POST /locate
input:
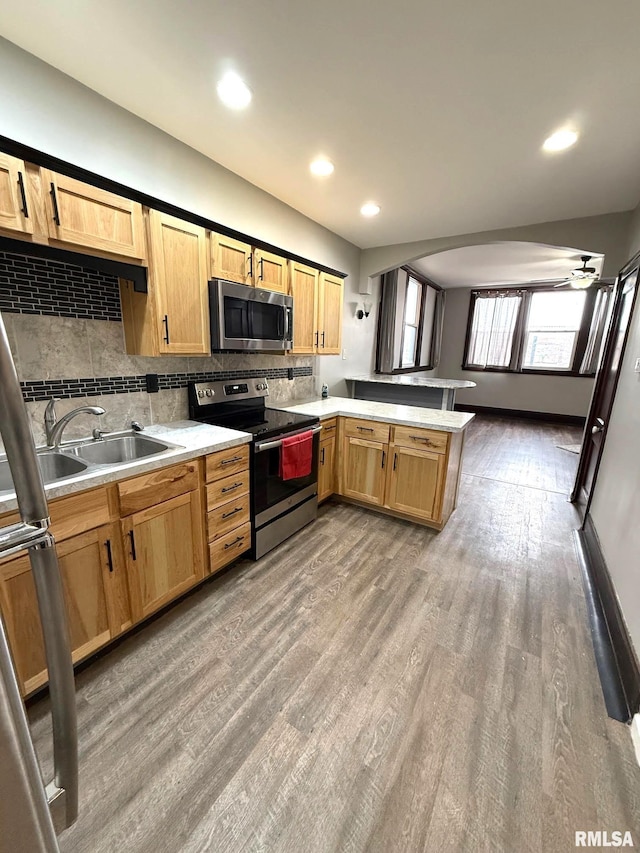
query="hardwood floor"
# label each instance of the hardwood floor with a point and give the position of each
(369, 686)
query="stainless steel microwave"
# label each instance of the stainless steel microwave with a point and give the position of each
(249, 318)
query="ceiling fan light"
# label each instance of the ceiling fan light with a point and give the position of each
(582, 283)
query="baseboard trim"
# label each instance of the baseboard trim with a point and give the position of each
(615, 658)
(549, 417)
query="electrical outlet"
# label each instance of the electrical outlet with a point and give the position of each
(637, 367)
(344, 355)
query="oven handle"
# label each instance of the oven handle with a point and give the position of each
(270, 445)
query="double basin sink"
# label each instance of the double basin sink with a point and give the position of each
(77, 458)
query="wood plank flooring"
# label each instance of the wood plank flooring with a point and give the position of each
(369, 686)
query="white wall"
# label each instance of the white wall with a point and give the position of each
(616, 499)
(45, 109)
(565, 395)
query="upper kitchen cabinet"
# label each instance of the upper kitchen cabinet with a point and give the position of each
(16, 214)
(87, 218)
(231, 259)
(330, 290)
(303, 286)
(271, 271)
(173, 317)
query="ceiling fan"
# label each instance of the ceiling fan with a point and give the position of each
(582, 277)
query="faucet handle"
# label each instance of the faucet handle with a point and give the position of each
(136, 426)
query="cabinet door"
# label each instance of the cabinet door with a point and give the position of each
(92, 578)
(330, 314)
(178, 274)
(231, 259)
(363, 472)
(303, 286)
(164, 551)
(326, 467)
(86, 216)
(14, 204)
(416, 481)
(271, 271)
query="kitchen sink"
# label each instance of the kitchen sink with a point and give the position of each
(53, 466)
(117, 449)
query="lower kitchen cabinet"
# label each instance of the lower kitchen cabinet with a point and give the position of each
(415, 482)
(164, 552)
(227, 493)
(327, 464)
(363, 469)
(95, 598)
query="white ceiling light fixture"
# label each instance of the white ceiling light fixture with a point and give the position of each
(370, 209)
(582, 277)
(560, 141)
(233, 91)
(321, 167)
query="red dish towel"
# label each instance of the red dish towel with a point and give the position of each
(296, 453)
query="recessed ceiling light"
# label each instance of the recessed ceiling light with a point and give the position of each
(560, 140)
(233, 91)
(370, 209)
(321, 167)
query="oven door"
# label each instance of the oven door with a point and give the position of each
(248, 318)
(270, 494)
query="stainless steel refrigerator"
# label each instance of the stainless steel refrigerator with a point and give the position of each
(32, 811)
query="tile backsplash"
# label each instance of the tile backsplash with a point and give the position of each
(75, 350)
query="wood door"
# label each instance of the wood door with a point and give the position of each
(363, 473)
(271, 271)
(178, 274)
(95, 596)
(303, 286)
(416, 482)
(605, 387)
(164, 548)
(330, 314)
(326, 468)
(82, 215)
(15, 208)
(231, 259)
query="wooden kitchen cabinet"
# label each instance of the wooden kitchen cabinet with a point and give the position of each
(83, 216)
(16, 208)
(415, 482)
(95, 596)
(364, 469)
(271, 272)
(317, 311)
(330, 296)
(326, 467)
(228, 487)
(164, 552)
(231, 259)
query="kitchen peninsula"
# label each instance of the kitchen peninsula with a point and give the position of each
(407, 389)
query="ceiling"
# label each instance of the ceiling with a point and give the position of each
(494, 264)
(437, 111)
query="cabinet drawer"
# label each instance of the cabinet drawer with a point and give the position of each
(227, 462)
(329, 429)
(227, 517)
(427, 439)
(371, 430)
(222, 491)
(157, 486)
(227, 548)
(73, 514)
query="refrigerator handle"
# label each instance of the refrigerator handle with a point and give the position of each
(62, 792)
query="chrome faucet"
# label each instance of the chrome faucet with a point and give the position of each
(54, 427)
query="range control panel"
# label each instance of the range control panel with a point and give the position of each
(205, 393)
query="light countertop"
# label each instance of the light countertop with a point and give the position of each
(412, 380)
(193, 439)
(332, 407)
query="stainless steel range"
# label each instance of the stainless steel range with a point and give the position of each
(278, 507)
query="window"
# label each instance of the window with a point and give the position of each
(534, 329)
(411, 322)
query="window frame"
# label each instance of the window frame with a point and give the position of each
(424, 282)
(527, 291)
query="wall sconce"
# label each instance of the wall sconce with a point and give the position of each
(363, 310)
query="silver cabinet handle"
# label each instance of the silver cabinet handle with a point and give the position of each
(425, 440)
